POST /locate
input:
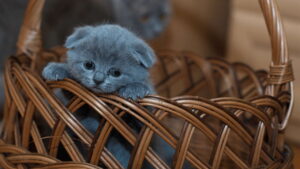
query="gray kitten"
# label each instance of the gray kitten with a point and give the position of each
(106, 59)
(145, 18)
(110, 59)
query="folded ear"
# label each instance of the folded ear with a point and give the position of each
(77, 36)
(144, 55)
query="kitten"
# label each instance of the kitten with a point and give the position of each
(106, 59)
(146, 18)
(110, 59)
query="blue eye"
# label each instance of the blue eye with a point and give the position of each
(89, 65)
(114, 72)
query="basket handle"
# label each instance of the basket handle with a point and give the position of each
(281, 71)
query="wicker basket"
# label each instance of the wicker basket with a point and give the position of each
(242, 125)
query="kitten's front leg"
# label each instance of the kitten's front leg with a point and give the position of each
(135, 91)
(55, 71)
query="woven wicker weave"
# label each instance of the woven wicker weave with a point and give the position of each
(238, 122)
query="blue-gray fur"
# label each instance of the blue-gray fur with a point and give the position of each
(147, 18)
(109, 47)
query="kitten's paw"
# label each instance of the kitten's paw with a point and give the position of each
(55, 71)
(134, 91)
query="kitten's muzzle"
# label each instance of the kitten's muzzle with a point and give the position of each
(98, 78)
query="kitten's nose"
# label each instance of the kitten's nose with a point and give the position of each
(98, 77)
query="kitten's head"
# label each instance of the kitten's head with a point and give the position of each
(147, 18)
(108, 57)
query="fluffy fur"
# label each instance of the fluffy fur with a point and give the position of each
(118, 60)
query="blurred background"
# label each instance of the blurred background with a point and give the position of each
(225, 28)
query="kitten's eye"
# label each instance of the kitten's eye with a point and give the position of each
(114, 72)
(145, 18)
(89, 65)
